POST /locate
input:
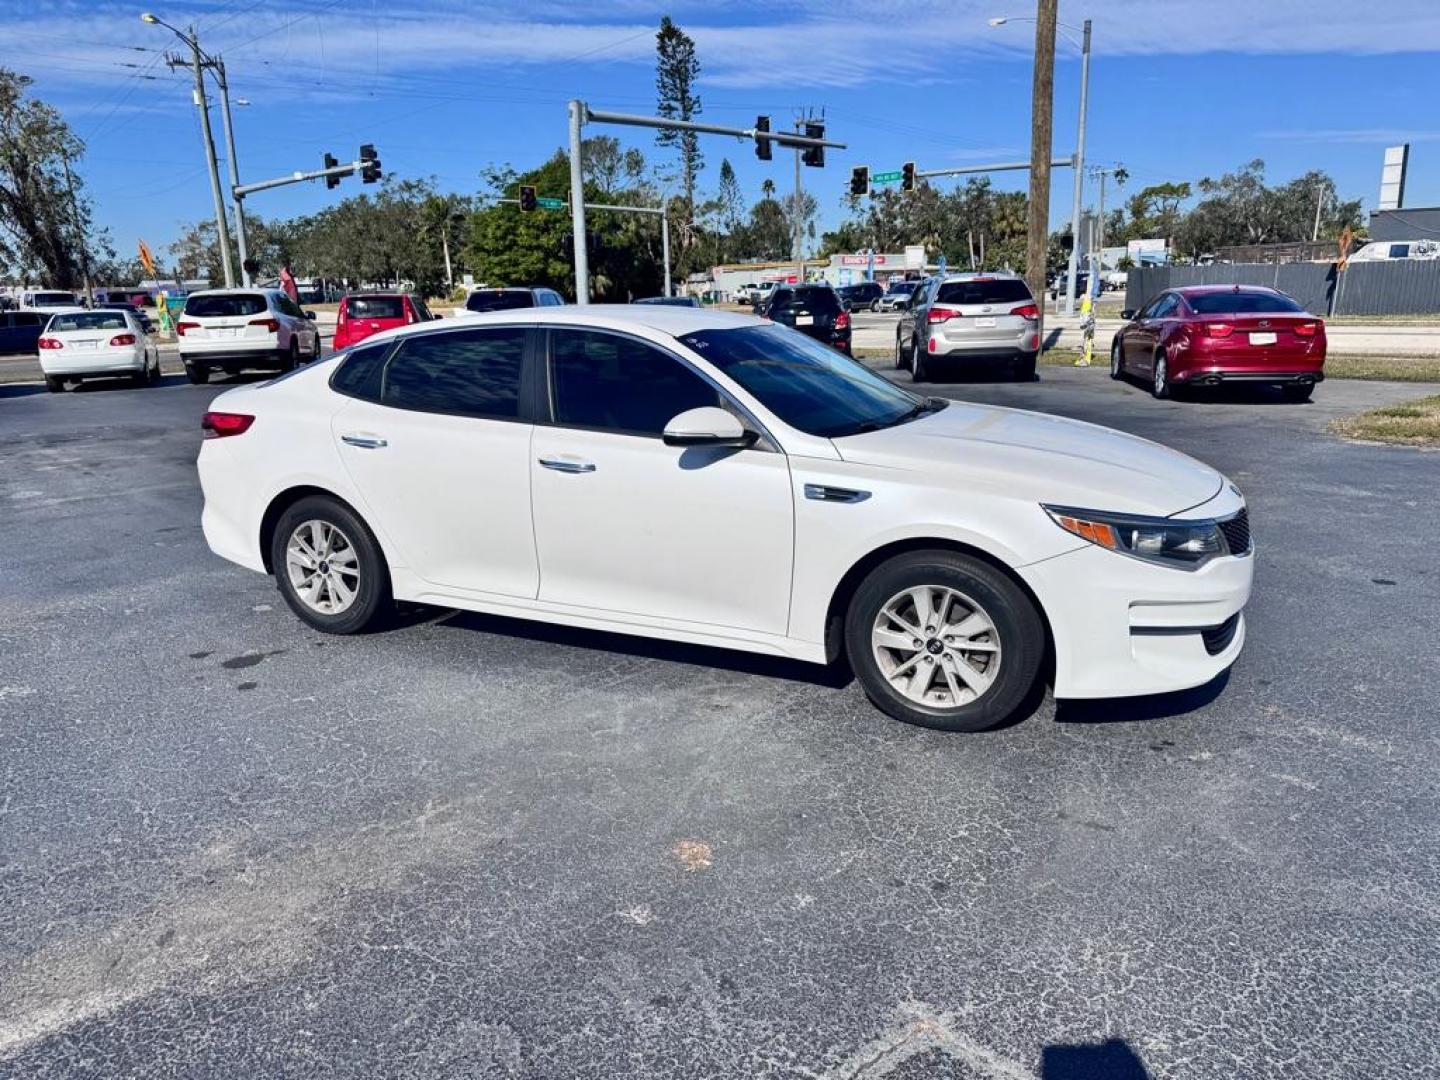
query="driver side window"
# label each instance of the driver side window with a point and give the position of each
(608, 382)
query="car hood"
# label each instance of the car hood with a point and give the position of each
(1036, 456)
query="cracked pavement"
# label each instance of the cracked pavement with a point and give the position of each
(230, 846)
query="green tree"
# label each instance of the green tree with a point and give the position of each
(676, 71)
(443, 219)
(42, 229)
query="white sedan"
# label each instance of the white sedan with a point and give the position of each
(714, 479)
(79, 344)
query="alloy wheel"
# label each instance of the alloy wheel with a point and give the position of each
(1115, 366)
(1162, 377)
(323, 567)
(936, 646)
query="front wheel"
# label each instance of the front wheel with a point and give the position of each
(329, 567)
(1117, 366)
(874, 306)
(1160, 387)
(944, 640)
(899, 354)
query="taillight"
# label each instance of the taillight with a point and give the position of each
(1026, 311)
(842, 321)
(181, 327)
(272, 326)
(123, 339)
(1219, 329)
(220, 425)
(941, 314)
(1306, 329)
(51, 343)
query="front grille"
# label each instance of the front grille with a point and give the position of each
(1237, 532)
(1217, 639)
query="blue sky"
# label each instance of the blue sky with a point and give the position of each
(1179, 89)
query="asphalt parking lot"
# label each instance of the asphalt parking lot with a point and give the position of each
(230, 846)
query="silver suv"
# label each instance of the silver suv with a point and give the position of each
(969, 320)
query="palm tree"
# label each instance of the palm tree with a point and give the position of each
(443, 216)
(768, 188)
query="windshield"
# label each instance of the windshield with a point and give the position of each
(40, 299)
(87, 320)
(808, 385)
(1225, 303)
(498, 300)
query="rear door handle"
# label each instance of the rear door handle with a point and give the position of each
(365, 442)
(567, 466)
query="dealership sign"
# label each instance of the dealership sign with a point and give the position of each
(861, 260)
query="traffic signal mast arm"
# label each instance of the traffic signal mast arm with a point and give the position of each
(781, 138)
(358, 166)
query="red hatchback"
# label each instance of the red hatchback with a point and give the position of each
(363, 314)
(1206, 335)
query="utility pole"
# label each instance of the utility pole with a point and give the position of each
(577, 204)
(199, 63)
(1042, 108)
(79, 234)
(795, 243)
(1079, 172)
(234, 171)
(1319, 202)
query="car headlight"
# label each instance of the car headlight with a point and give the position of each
(1182, 544)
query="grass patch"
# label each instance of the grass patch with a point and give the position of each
(1342, 366)
(1410, 423)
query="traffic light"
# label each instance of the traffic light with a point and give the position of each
(860, 180)
(370, 170)
(330, 163)
(907, 176)
(527, 198)
(814, 156)
(762, 146)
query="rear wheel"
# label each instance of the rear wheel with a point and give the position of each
(918, 371)
(1297, 392)
(291, 358)
(198, 373)
(944, 640)
(1024, 369)
(329, 567)
(154, 371)
(1160, 385)
(874, 305)
(54, 385)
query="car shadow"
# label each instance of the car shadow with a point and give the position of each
(18, 390)
(1112, 1059)
(1233, 394)
(835, 676)
(1138, 709)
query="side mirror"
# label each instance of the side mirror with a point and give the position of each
(310, 315)
(707, 426)
(1128, 314)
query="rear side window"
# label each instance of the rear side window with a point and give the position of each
(359, 374)
(468, 372)
(1228, 303)
(618, 384)
(499, 300)
(375, 307)
(227, 306)
(993, 291)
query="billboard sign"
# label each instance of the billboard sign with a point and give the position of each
(1392, 177)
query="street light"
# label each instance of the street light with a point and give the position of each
(1084, 44)
(200, 61)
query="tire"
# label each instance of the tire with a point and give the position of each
(54, 385)
(1010, 638)
(154, 372)
(1117, 365)
(1297, 394)
(369, 599)
(918, 371)
(198, 373)
(874, 306)
(140, 379)
(899, 354)
(1024, 370)
(292, 358)
(1160, 382)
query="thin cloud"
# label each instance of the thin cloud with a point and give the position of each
(1385, 136)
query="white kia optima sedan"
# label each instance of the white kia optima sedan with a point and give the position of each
(714, 479)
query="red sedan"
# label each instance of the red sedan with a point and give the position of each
(1206, 335)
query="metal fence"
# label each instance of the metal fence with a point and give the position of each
(1401, 287)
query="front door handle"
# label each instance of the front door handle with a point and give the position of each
(365, 442)
(567, 466)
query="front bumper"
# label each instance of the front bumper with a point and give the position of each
(1123, 626)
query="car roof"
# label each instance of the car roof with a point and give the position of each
(665, 318)
(73, 310)
(238, 291)
(1201, 290)
(982, 275)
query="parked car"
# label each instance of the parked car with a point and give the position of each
(704, 477)
(49, 299)
(361, 315)
(814, 310)
(244, 329)
(20, 330)
(965, 321)
(79, 344)
(896, 296)
(864, 295)
(508, 299)
(122, 305)
(1060, 285)
(671, 301)
(742, 294)
(1114, 279)
(761, 293)
(1205, 335)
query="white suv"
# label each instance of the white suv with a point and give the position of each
(718, 480)
(238, 329)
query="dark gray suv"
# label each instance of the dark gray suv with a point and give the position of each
(968, 321)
